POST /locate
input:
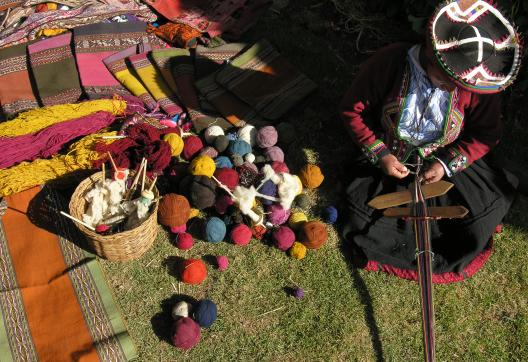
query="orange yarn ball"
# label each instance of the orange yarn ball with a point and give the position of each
(193, 271)
(173, 210)
(311, 176)
(313, 234)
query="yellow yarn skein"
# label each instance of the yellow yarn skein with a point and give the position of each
(194, 213)
(202, 166)
(37, 119)
(298, 251)
(296, 220)
(175, 142)
(25, 175)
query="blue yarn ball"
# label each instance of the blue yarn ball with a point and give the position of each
(330, 214)
(223, 162)
(268, 189)
(239, 147)
(205, 313)
(232, 136)
(215, 230)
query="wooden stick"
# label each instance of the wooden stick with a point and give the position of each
(153, 183)
(104, 171)
(79, 221)
(271, 311)
(112, 161)
(136, 179)
(143, 177)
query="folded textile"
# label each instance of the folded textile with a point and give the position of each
(16, 92)
(127, 76)
(153, 81)
(37, 119)
(50, 140)
(95, 42)
(55, 303)
(162, 59)
(54, 70)
(25, 175)
(7, 4)
(280, 85)
(208, 60)
(176, 34)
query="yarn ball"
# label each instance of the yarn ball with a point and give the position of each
(287, 133)
(221, 143)
(283, 238)
(296, 220)
(268, 189)
(173, 210)
(249, 158)
(267, 137)
(178, 229)
(184, 241)
(222, 262)
(102, 228)
(248, 174)
(277, 214)
(175, 142)
(227, 176)
(181, 309)
(205, 313)
(330, 214)
(280, 167)
(223, 201)
(211, 133)
(259, 159)
(232, 136)
(194, 213)
(311, 176)
(194, 271)
(223, 162)
(298, 250)
(298, 293)
(239, 147)
(209, 151)
(192, 145)
(237, 159)
(248, 134)
(313, 234)
(302, 201)
(274, 153)
(299, 185)
(201, 191)
(240, 234)
(202, 166)
(215, 230)
(186, 333)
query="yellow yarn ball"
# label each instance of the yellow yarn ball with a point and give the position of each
(300, 185)
(175, 142)
(296, 220)
(194, 213)
(298, 251)
(202, 166)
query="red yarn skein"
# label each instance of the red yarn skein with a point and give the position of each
(241, 235)
(191, 146)
(227, 176)
(193, 271)
(186, 333)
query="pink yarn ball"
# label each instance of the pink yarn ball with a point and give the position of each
(278, 166)
(186, 333)
(267, 137)
(178, 229)
(209, 151)
(227, 176)
(222, 262)
(184, 241)
(273, 153)
(241, 234)
(191, 146)
(222, 203)
(277, 214)
(283, 237)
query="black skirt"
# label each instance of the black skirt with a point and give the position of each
(486, 191)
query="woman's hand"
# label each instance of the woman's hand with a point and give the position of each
(391, 166)
(434, 173)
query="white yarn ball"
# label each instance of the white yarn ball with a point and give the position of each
(212, 132)
(181, 309)
(249, 158)
(248, 133)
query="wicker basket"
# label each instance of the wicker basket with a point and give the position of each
(126, 245)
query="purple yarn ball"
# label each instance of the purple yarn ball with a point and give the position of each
(267, 137)
(277, 214)
(298, 293)
(274, 153)
(268, 189)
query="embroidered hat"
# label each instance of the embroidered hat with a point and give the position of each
(476, 45)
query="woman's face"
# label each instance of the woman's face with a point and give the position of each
(436, 74)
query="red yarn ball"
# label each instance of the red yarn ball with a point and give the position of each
(194, 271)
(173, 210)
(184, 241)
(278, 166)
(223, 201)
(241, 234)
(178, 229)
(222, 262)
(191, 146)
(186, 333)
(284, 237)
(227, 176)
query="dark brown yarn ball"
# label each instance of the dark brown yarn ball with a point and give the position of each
(313, 234)
(173, 210)
(200, 190)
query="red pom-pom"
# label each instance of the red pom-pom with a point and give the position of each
(186, 333)
(278, 166)
(227, 176)
(184, 241)
(222, 262)
(191, 146)
(194, 271)
(241, 234)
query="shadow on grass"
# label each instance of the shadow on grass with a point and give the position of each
(162, 321)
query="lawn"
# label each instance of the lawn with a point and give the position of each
(347, 314)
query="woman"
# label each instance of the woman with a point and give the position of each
(437, 100)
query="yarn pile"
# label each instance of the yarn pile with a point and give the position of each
(188, 318)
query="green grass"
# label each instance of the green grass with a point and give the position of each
(347, 314)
